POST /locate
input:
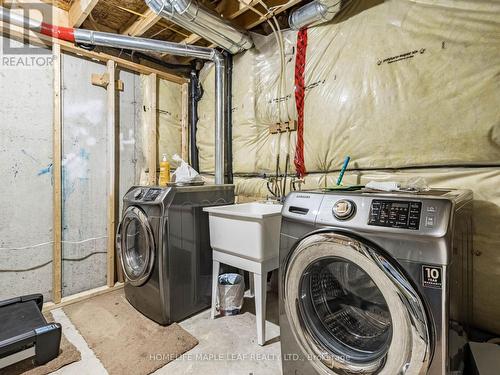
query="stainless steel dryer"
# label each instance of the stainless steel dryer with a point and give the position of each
(375, 283)
(164, 248)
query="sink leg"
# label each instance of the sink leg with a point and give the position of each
(252, 284)
(260, 306)
(215, 280)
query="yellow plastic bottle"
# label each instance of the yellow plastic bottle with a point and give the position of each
(164, 171)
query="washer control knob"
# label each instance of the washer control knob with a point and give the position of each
(344, 209)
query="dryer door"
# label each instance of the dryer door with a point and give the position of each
(351, 310)
(136, 246)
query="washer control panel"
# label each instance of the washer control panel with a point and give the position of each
(400, 214)
(395, 214)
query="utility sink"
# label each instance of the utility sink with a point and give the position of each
(250, 230)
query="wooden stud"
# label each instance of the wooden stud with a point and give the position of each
(56, 168)
(59, 16)
(112, 180)
(275, 128)
(184, 122)
(17, 33)
(58, 4)
(80, 10)
(193, 38)
(102, 80)
(82, 296)
(152, 122)
(288, 126)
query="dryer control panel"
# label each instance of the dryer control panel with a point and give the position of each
(151, 195)
(395, 214)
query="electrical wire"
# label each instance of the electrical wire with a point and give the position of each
(50, 261)
(51, 242)
(279, 191)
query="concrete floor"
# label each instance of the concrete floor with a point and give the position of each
(227, 345)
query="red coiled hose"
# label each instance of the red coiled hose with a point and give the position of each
(300, 65)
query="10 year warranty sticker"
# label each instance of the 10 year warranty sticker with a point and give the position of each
(432, 277)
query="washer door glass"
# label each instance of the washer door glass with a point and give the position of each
(345, 310)
(351, 310)
(136, 246)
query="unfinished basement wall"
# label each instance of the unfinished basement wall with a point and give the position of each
(169, 119)
(25, 191)
(169, 133)
(26, 199)
(84, 182)
(406, 88)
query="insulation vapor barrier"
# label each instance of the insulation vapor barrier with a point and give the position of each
(393, 84)
(402, 83)
(169, 117)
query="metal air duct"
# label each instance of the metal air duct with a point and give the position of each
(96, 38)
(201, 21)
(314, 13)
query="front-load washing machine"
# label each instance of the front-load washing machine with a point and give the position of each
(164, 248)
(375, 283)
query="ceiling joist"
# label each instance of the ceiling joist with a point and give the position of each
(251, 19)
(143, 24)
(246, 18)
(80, 10)
(142, 21)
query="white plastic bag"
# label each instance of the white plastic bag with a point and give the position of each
(185, 173)
(411, 185)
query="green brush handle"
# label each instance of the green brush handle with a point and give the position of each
(342, 171)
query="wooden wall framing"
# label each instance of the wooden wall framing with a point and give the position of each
(152, 128)
(113, 63)
(56, 168)
(112, 166)
(112, 171)
(18, 34)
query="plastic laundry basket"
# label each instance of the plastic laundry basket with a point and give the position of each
(231, 288)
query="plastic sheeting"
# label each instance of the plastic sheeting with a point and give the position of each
(400, 83)
(169, 117)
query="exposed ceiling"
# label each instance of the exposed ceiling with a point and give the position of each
(133, 17)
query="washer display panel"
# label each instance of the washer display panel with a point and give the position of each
(135, 246)
(351, 310)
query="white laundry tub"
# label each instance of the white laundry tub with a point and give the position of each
(250, 230)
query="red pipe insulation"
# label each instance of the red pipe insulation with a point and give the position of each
(63, 33)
